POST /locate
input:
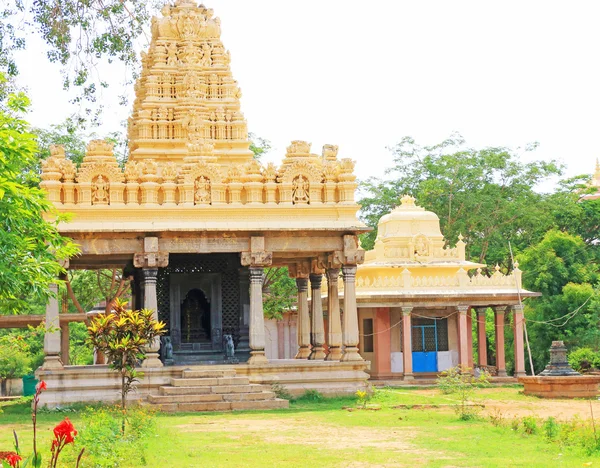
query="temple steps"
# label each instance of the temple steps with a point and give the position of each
(214, 390)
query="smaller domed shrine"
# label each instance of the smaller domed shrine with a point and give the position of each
(594, 184)
(416, 293)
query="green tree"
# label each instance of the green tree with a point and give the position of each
(14, 361)
(279, 292)
(486, 194)
(30, 243)
(259, 146)
(79, 35)
(561, 267)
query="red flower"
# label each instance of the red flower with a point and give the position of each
(12, 458)
(65, 432)
(41, 386)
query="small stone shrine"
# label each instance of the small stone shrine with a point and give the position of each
(559, 380)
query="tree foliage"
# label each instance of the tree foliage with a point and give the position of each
(79, 36)
(122, 335)
(279, 292)
(562, 268)
(486, 194)
(30, 243)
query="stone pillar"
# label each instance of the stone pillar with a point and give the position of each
(463, 339)
(350, 335)
(470, 337)
(407, 343)
(481, 338)
(382, 343)
(303, 326)
(244, 308)
(64, 344)
(500, 358)
(317, 334)
(335, 321)
(519, 319)
(52, 335)
(150, 302)
(257, 317)
(281, 339)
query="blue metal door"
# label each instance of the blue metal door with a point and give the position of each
(424, 345)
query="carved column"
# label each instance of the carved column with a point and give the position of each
(257, 318)
(500, 356)
(519, 318)
(470, 338)
(317, 335)
(150, 302)
(150, 260)
(52, 335)
(463, 340)
(335, 322)
(64, 344)
(350, 335)
(407, 343)
(481, 338)
(303, 325)
(257, 258)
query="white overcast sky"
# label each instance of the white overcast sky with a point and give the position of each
(362, 74)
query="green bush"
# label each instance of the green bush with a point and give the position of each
(584, 359)
(530, 425)
(551, 428)
(105, 445)
(311, 395)
(460, 382)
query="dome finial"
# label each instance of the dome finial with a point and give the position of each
(407, 200)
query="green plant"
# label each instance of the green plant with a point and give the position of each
(530, 426)
(280, 391)
(311, 395)
(106, 445)
(122, 336)
(584, 359)
(514, 424)
(551, 428)
(497, 418)
(461, 382)
(14, 361)
(363, 397)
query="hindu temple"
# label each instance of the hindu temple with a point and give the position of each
(195, 219)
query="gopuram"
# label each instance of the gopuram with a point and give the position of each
(196, 219)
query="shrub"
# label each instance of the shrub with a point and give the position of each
(530, 425)
(551, 428)
(311, 395)
(280, 391)
(584, 359)
(459, 381)
(106, 445)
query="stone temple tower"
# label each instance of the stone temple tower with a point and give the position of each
(187, 106)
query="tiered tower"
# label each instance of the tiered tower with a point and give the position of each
(187, 106)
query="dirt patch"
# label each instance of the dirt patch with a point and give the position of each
(559, 409)
(328, 436)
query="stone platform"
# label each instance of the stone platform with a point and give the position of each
(88, 384)
(573, 386)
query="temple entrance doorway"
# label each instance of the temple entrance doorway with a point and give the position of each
(196, 312)
(195, 318)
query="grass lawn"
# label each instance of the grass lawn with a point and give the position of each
(321, 433)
